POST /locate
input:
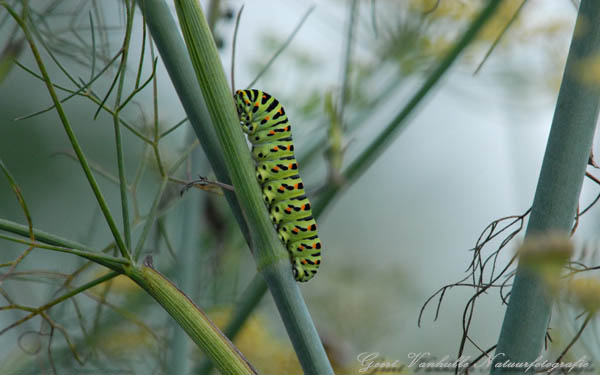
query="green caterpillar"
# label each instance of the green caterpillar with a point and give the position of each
(263, 119)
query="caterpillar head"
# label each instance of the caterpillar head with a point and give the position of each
(244, 108)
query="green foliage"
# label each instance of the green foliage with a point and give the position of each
(172, 299)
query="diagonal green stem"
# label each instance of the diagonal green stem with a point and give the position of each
(242, 310)
(93, 256)
(499, 37)
(23, 230)
(282, 48)
(271, 257)
(80, 91)
(197, 325)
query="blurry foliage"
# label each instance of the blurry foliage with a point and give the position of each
(111, 324)
(400, 43)
(263, 349)
(272, 356)
(546, 255)
(585, 291)
(589, 71)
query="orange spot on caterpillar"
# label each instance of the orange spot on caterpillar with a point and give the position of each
(288, 210)
(256, 104)
(280, 111)
(318, 261)
(275, 168)
(272, 132)
(296, 186)
(301, 247)
(290, 166)
(275, 148)
(303, 261)
(314, 246)
(295, 230)
(281, 188)
(267, 118)
(287, 128)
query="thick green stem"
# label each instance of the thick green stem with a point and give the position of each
(559, 185)
(193, 321)
(270, 255)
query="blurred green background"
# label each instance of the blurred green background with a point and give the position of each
(471, 154)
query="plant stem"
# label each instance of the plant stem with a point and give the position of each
(71, 135)
(150, 218)
(62, 298)
(242, 310)
(191, 226)
(200, 329)
(282, 48)
(559, 185)
(93, 256)
(117, 127)
(344, 94)
(23, 230)
(271, 257)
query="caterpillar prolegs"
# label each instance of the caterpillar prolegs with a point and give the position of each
(263, 119)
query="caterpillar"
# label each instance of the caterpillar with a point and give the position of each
(264, 121)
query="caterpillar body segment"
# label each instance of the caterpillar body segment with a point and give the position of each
(276, 169)
(290, 209)
(279, 190)
(265, 122)
(275, 150)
